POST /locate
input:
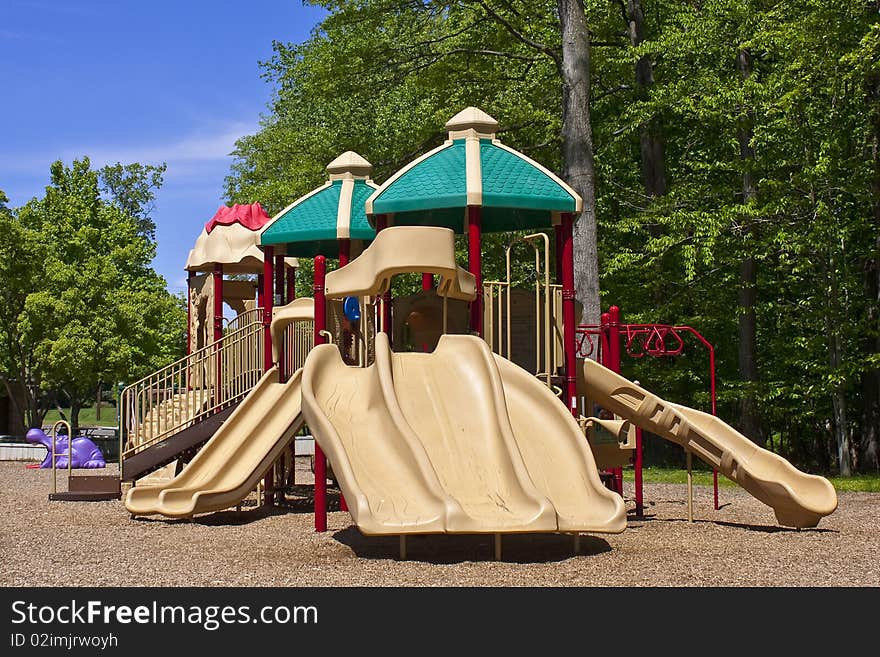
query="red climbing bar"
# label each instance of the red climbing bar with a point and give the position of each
(320, 459)
(279, 299)
(475, 266)
(218, 302)
(268, 280)
(568, 327)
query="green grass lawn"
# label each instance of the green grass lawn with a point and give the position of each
(86, 416)
(865, 483)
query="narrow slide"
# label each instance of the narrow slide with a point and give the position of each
(454, 441)
(797, 498)
(231, 463)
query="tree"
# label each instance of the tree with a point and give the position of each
(86, 306)
(133, 188)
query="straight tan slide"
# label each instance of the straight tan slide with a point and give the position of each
(428, 443)
(798, 499)
(231, 463)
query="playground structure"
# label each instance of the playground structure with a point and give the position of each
(482, 432)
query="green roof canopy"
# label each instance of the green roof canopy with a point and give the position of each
(474, 168)
(313, 224)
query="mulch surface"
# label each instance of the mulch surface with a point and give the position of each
(97, 544)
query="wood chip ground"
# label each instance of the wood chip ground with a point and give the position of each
(97, 544)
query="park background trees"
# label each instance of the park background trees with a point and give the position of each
(727, 150)
(80, 305)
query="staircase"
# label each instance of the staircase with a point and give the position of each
(170, 413)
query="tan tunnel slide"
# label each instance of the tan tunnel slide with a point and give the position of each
(457, 440)
(231, 463)
(798, 499)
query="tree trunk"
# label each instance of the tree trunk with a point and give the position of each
(869, 443)
(840, 427)
(98, 403)
(577, 151)
(651, 144)
(75, 406)
(749, 417)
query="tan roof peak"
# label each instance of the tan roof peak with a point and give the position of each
(349, 164)
(472, 118)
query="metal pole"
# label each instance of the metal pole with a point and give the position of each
(712, 395)
(268, 279)
(218, 302)
(606, 361)
(320, 460)
(427, 284)
(475, 266)
(558, 233)
(279, 299)
(568, 313)
(189, 283)
(218, 332)
(690, 487)
(291, 284)
(614, 348)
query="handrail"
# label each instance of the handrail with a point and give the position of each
(195, 386)
(69, 453)
(243, 319)
(548, 332)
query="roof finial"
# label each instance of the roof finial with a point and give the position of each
(349, 165)
(472, 120)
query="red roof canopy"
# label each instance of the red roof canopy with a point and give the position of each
(253, 217)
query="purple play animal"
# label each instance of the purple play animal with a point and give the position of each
(86, 454)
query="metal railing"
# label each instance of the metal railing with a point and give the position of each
(242, 320)
(299, 338)
(498, 330)
(192, 388)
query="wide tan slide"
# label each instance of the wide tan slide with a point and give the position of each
(798, 499)
(457, 440)
(231, 463)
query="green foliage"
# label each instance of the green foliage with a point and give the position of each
(132, 187)
(381, 76)
(82, 304)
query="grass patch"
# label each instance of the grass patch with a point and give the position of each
(87, 416)
(862, 483)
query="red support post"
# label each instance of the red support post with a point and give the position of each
(568, 327)
(291, 284)
(217, 332)
(558, 233)
(614, 349)
(189, 282)
(320, 459)
(218, 302)
(268, 279)
(427, 284)
(475, 266)
(606, 361)
(279, 300)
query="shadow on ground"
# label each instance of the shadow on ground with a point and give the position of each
(458, 548)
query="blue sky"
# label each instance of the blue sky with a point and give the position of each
(173, 81)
